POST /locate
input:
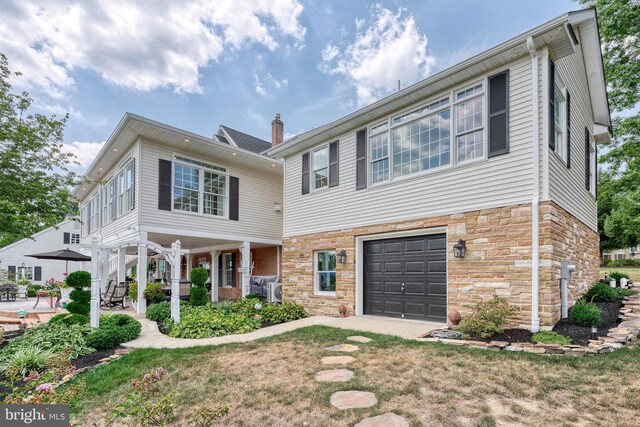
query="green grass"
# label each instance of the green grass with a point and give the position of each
(271, 381)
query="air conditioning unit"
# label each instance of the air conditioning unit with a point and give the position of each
(274, 292)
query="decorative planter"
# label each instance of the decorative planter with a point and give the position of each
(455, 317)
(64, 294)
(342, 309)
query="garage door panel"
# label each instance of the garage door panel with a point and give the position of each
(419, 263)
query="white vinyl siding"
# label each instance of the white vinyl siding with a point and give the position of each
(567, 185)
(258, 192)
(485, 183)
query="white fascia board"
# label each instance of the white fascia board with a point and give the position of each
(206, 235)
(601, 133)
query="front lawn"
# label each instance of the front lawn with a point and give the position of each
(632, 272)
(271, 382)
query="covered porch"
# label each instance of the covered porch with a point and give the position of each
(168, 258)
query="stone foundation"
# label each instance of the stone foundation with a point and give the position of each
(497, 262)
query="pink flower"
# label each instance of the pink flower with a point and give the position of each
(44, 388)
(65, 274)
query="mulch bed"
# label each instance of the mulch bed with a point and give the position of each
(92, 359)
(509, 335)
(582, 334)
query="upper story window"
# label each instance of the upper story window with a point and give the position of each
(559, 119)
(320, 168)
(379, 157)
(124, 187)
(75, 239)
(199, 187)
(470, 124)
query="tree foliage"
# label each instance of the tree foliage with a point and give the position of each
(619, 180)
(34, 170)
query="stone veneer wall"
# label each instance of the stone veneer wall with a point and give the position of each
(497, 263)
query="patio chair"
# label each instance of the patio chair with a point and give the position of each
(118, 295)
(104, 296)
(8, 292)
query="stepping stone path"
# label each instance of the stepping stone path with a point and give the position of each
(337, 360)
(353, 399)
(348, 348)
(385, 420)
(334, 376)
(358, 338)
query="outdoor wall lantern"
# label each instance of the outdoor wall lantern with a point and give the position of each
(459, 249)
(277, 207)
(342, 256)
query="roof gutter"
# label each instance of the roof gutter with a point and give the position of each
(535, 201)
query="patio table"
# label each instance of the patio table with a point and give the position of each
(51, 294)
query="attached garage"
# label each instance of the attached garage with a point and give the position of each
(406, 277)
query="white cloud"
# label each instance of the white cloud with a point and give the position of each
(264, 85)
(142, 45)
(388, 49)
(84, 152)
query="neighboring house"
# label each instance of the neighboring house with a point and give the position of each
(498, 152)
(14, 259)
(218, 196)
(628, 253)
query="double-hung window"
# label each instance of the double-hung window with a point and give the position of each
(559, 119)
(469, 123)
(25, 273)
(320, 166)
(200, 187)
(75, 239)
(325, 272)
(104, 200)
(379, 143)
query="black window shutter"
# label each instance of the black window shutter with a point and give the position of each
(587, 162)
(361, 159)
(66, 238)
(333, 164)
(234, 198)
(37, 273)
(305, 173)
(220, 261)
(499, 114)
(568, 130)
(12, 272)
(552, 115)
(234, 270)
(164, 187)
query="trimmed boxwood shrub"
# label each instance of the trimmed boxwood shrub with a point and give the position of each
(70, 319)
(79, 279)
(284, 312)
(114, 330)
(159, 312)
(585, 313)
(198, 296)
(199, 276)
(79, 302)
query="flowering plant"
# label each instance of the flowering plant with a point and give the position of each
(53, 283)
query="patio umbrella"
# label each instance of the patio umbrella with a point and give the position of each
(63, 255)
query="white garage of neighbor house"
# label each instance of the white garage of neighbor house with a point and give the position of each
(14, 259)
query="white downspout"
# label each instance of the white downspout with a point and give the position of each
(535, 202)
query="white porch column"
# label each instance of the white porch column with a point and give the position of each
(189, 266)
(141, 306)
(105, 270)
(94, 314)
(214, 275)
(175, 281)
(245, 253)
(122, 265)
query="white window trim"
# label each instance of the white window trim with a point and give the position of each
(312, 171)
(200, 186)
(453, 151)
(561, 149)
(316, 284)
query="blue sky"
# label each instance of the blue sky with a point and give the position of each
(203, 63)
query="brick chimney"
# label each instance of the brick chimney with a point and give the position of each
(277, 131)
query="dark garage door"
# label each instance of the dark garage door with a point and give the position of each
(406, 277)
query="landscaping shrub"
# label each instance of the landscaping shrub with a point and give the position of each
(603, 292)
(281, 313)
(159, 312)
(487, 318)
(618, 275)
(256, 296)
(247, 306)
(114, 330)
(79, 301)
(203, 322)
(154, 292)
(70, 319)
(224, 307)
(199, 276)
(585, 313)
(32, 292)
(79, 279)
(548, 337)
(53, 338)
(132, 292)
(627, 262)
(198, 296)
(24, 360)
